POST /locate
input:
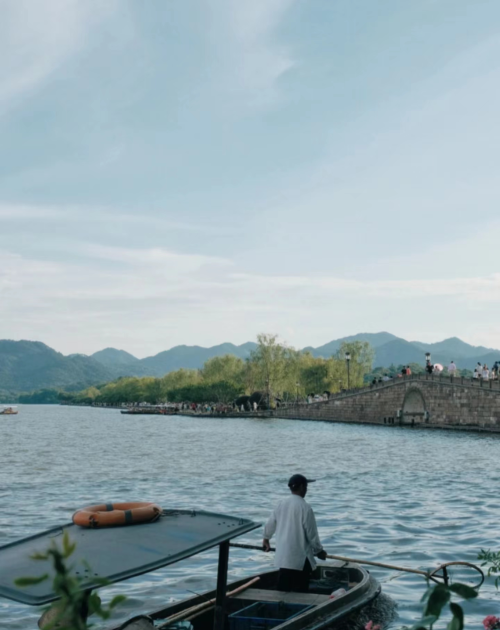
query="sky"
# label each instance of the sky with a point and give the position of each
(199, 171)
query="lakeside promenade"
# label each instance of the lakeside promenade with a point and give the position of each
(424, 400)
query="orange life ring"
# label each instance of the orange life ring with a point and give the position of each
(113, 514)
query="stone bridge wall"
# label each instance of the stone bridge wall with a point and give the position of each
(413, 401)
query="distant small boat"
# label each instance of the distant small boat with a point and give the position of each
(8, 411)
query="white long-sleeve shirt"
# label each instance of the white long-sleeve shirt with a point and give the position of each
(297, 536)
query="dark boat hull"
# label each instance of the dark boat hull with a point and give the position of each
(326, 613)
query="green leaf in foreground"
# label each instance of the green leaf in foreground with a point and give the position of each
(424, 623)
(23, 582)
(75, 600)
(439, 597)
(457, 622)
(464, 591)
(117, 599)
(68, 547)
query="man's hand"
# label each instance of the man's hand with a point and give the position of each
(266, 545)
(321, 555)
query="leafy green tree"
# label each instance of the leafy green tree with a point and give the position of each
(362, 357)
(154, 391)
(228, 369)
(270, 359)
(273, 368)
(315, 376)
(180, 378)
(41, 397)
(218, 392)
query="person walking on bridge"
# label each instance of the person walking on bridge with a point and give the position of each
(452, 368)
(297, 539)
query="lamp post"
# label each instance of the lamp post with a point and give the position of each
(427, 361)
(348, 360)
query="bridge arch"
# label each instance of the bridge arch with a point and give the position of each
(414, 408)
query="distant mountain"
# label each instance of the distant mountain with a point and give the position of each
(114, 357)
(120, 363)
(192, 357)
(374, 339)
(398, 352)
(31, 365)
(26, 366)
(392, 350)
(453, 347)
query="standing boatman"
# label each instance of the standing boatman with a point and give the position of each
(297, 538)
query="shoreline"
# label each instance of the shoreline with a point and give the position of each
(264, 415)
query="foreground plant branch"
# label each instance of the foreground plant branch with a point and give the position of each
(75, 602)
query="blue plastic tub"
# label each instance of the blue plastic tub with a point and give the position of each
(265, 615)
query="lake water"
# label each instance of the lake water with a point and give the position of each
(403, 496)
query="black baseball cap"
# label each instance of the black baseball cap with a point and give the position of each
(299, 480)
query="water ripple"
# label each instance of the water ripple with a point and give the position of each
(404, 496)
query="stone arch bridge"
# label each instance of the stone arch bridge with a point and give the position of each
(423, 400)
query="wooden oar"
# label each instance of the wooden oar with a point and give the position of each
(428, 575)
(354, 560)
(379, 564)
(204, 606)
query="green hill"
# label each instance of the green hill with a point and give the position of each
(30, 365)
(192, 357)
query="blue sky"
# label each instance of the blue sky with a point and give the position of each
(198, 171)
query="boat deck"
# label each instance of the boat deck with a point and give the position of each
(263, 595)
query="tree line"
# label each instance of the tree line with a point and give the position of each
(274, 368)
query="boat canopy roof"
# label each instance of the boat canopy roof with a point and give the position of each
(115, 553)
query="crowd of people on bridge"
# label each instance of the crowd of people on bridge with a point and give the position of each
(480, 371)
(405, 371)
(483, 372)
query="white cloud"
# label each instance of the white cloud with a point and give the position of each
(483, 288)
(254, 23)
(36, 38)
(248, 49)
(148, 299)
(22, 211)
(157, 256)
(76, 213)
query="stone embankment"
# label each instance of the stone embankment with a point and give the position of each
(423, 400)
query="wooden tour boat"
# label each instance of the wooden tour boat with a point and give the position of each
(8, 411)
(251, 603)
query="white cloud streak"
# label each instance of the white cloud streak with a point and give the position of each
(262, 60)
(38, 37)
(74, 214)
(244, 36)
(19, 211)
(155, 256)
(149, 299)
